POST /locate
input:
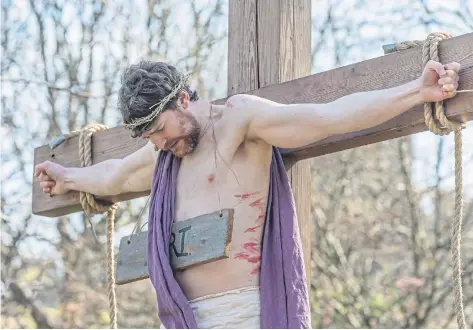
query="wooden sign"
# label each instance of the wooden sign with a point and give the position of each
(195, 241)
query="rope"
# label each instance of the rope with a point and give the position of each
(93, 206)
(439, 124)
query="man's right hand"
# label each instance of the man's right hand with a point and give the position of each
(51, 177)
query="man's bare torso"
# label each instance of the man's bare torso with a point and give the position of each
(236, 176)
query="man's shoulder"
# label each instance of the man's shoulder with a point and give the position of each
(239, 108)
(236, 113)
(247, 101)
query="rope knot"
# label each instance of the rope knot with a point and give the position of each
(93, 206)
(434, 113)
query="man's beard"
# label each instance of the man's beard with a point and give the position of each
(191, 140)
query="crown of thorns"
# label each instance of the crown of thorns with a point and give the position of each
(159, 106)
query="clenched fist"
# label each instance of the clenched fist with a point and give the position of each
(51, 177)
(438, 81)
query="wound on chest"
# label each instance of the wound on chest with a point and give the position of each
(211, 178)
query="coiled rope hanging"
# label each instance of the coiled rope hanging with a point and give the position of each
(92, 206)
(439, 124)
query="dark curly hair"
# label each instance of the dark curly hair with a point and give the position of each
(145, 84)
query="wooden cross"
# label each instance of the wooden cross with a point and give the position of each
(269, 56)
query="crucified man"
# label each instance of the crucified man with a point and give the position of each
(225, 154)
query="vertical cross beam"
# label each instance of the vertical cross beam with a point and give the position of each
(269, 43)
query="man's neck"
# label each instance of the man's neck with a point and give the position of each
(203, 111)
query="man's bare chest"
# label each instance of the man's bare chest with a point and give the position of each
(205, 185)
(241, 185)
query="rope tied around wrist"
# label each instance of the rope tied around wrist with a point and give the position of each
(438, 123)
(91, 205)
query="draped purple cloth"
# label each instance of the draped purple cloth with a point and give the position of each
(283, 292)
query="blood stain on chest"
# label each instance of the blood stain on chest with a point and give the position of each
(251, 247)
(211, 178)
(245, 196)
(259, 205)
(229, 104)
(251, 252)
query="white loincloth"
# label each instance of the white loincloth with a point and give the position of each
(239, 308)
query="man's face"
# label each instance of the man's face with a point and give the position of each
(176, 131)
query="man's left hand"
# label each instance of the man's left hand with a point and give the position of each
(438, 81)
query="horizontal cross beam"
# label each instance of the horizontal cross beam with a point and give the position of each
(378, 73)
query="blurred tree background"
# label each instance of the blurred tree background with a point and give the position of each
(381, 213)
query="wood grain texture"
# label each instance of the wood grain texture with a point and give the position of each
(195, 241)
(132, 259)
(287, 57)
(242, 46)
(382, 72)
(300, 171)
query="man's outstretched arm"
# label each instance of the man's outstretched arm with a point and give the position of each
(111, 177)
(297, 125)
